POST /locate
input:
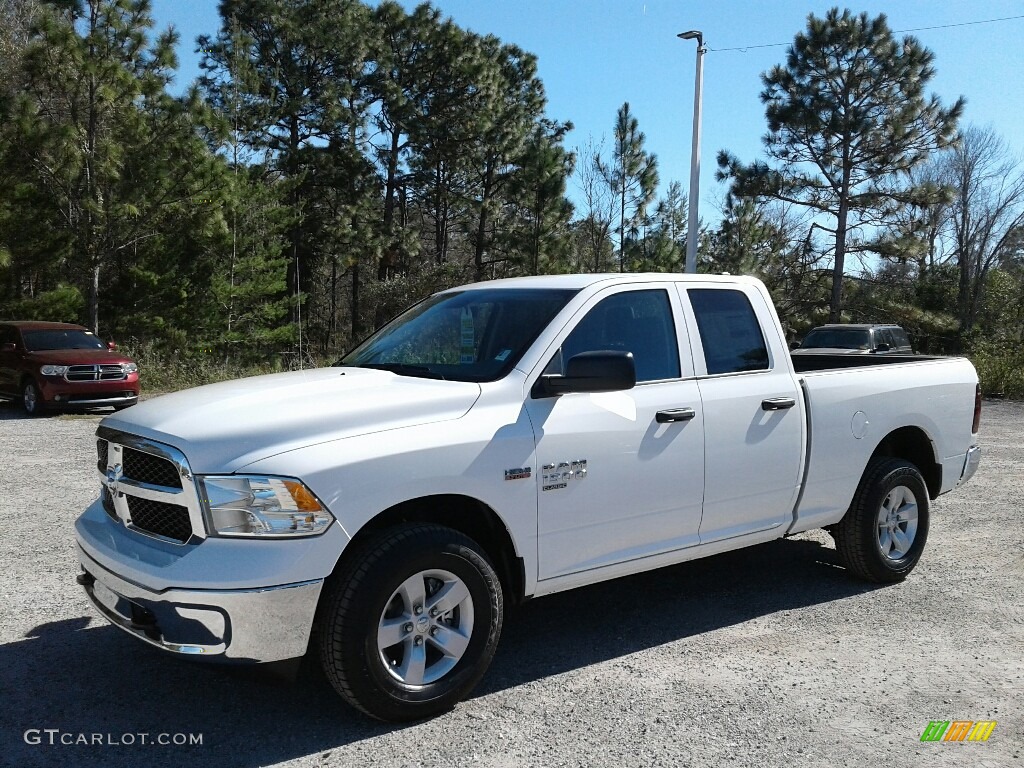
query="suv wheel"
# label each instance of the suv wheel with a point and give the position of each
(31, 399)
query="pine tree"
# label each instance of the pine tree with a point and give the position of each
(632, 174)
(111, 152)
(847, 117)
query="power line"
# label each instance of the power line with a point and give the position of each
(745, 48)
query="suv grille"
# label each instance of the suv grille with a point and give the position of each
(146, 468)
(106, 372)
(168, 520)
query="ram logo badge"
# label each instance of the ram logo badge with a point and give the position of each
(559, 475)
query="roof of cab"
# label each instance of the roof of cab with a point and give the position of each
(578, 282)
(41, 325)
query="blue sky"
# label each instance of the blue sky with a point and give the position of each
(595, 54)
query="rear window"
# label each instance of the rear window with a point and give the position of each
(901, 337)
(837, 338)
(729, 331)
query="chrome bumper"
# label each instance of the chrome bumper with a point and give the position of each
(112, 400)
(971, 463)
(251, 625)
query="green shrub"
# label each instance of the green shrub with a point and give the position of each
(1000, 368)
(163, 369)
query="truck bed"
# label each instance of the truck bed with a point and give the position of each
(828, 362)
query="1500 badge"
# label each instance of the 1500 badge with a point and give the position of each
(555, 476)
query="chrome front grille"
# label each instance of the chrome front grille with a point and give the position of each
(101, 456)
(105, 372)
(148, 487)
(150, 469)
(168, 520)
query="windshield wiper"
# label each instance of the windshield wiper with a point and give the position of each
(402, 369)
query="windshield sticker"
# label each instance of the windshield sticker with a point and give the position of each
(501, 356)
(467, 353)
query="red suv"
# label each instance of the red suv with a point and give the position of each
(61, 365)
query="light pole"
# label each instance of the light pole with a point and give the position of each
(691, 226)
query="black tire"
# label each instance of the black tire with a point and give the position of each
(31, 398)
(859, 542)
(354, 606)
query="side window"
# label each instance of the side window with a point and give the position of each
(729, 331)
(633, 321)
(901, 337)
(7, 334)
(886, 337)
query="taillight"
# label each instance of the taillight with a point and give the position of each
(977, 410)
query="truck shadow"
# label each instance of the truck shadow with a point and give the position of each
(82, 677)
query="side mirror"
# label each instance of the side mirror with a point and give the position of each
(8, 346)
(111, 346)
(883, 347)
(599, 371)
(794, 345)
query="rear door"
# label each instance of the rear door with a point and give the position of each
(752, 407)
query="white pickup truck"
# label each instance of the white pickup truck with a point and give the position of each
(497, 442)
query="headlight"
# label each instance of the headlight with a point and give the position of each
(53, 370)
(250, 505)
(130, 367)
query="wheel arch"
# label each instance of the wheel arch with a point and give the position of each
(465, 514)
(914, 445)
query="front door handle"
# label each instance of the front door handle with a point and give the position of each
(675, 414)
(777, 403)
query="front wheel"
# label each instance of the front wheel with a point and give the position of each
(884, 532)
(409, 627)
(31, 399)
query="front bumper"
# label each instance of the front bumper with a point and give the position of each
(245, 625)
(55, 391)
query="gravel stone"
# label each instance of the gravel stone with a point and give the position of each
(767, 656)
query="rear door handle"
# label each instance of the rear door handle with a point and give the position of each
(777, 403)
(675, 414)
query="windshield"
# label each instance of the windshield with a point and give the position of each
(837, 338)
(61, 338)
(476, 335)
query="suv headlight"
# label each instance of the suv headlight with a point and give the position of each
(255, 506)
(53, 370)
(130, 367)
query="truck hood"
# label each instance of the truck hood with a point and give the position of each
(77, 357)
(223, 427)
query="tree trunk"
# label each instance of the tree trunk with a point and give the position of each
(94, 300)
(964, 262)
(356, 328)
(481, 229)
(387, 258)
(838, 269)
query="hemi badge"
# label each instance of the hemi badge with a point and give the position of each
(519, 473)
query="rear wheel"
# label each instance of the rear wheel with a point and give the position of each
(31, 399)
(883, 534)
(409, 627)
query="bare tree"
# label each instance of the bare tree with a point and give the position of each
(986, 211)
(598, 209)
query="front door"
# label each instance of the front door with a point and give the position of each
(620, 474)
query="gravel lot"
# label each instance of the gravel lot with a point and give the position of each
(764, 657)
